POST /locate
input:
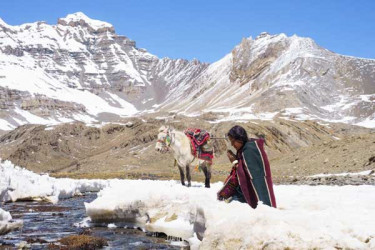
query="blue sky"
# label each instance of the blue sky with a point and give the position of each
(208, 30)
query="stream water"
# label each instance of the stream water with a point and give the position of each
(46, 223)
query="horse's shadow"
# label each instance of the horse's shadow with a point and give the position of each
(198, 185)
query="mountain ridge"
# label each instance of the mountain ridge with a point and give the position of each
(83, 62)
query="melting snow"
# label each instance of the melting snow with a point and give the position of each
(18, 183)
(307, 216)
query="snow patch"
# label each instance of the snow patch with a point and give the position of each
(367, 123)
(367, 172)
(5, 125)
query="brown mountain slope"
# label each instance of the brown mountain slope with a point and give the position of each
(127, 151)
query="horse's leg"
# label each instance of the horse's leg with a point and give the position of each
(188, 176)
(207, 174)
(182, 175)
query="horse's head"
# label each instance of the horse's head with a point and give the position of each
(164, 139)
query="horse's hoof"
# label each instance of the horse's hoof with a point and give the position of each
(207, 183)
(183, 184)
(189, 185)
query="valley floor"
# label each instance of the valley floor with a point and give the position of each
(126, 150)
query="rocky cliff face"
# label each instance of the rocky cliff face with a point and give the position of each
(80, 69)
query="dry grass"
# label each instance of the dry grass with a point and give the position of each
(112, 175)
(218, 175)
(83, 242)
(196, 176)
(76, 151)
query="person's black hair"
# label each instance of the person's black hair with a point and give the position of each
(238, 133)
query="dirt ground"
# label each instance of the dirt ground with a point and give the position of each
(126, 149)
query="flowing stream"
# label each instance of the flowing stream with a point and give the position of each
(46, 223)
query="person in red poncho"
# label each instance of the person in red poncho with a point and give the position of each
(250, 180)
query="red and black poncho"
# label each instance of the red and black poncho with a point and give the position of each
(252, 175)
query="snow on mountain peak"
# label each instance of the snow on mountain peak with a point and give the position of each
(79, 16)
(263, 34)
(4, 24)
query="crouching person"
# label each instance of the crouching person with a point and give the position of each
(250, 179)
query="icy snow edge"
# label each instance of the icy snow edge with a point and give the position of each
(17, 183)
(307, 217)
(20, 184)
(6, 223)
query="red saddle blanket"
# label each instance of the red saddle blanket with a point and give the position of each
(198, 138)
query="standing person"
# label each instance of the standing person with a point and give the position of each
(250, 179)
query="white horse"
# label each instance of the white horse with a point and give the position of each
(179, 144)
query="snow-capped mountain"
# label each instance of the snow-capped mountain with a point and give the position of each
(80, 69)
(276, 75)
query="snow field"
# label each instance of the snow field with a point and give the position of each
(323, 217)
(307, 217)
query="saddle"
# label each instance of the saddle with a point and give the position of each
(199, 142)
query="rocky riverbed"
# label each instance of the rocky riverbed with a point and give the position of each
(64, 224)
